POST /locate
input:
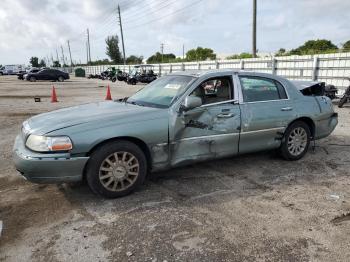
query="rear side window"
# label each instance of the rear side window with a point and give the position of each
(257, 89)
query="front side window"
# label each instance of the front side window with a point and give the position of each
(162, 92)
(214, 90)
(257, 89)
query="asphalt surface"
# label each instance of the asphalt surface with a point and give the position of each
(255, 207)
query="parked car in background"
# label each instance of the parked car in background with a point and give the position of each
(180, 118)
(11, 69)
(47, 74)
(22, 75)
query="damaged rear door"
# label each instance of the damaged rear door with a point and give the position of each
(210, 130)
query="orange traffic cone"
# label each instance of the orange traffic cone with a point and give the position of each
(53, 95)
(108, 96)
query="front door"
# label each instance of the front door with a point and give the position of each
(211, 130)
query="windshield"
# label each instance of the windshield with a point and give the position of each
(161, 92)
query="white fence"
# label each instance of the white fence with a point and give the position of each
(329, 68)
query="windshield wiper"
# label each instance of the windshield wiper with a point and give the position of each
(134, 103)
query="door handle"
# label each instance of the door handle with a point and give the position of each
(225, 115)
(287, 108)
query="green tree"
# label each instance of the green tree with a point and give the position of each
(34, 61)
(112, 49)
(159, 58)
(315, 47)
(240, 56)
(200, 54)
(56, 64)
(346, 45)
(42, 63)
(132, 60)
(281, 52)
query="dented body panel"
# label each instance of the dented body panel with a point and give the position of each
(172, 136)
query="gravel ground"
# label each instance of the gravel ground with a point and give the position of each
(255, 207)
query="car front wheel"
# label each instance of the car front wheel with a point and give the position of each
(32, 79)
(60, 79)
(116, 169)
(296, 141)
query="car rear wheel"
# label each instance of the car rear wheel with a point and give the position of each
(60, 79)
(32, 79)
(116, 169)
(296, 141)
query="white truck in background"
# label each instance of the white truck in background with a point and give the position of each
(11, 69)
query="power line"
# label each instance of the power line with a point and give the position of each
(167, 15)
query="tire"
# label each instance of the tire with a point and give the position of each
(112, 181)
(342, 101)
(32, 79)
(114, 79)
(60, 79)
(296, 141)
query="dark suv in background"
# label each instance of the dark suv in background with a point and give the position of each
(48, 74)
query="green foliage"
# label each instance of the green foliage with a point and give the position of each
(315, 47)
(159, 58)
(112, 49)
(200, 54)
(42, 63)
(34, 61)
(56, 64)
(132, 60)
(346, 45)
(281, 52)
(240, 56)
(101, 62)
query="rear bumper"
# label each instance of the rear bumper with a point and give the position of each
(47, 168)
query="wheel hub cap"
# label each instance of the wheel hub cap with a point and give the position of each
(297, 141)
(119, 171)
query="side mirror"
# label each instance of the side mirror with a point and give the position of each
(191, 102)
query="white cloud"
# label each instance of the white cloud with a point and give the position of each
(39, 27)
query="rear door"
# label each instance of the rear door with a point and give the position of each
(266, 111)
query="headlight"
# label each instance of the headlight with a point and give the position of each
(48, 144)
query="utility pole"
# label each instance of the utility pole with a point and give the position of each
(183, 51)
(162, 50)
(87, 53)
(88, 43)
(254, 29)
(63, 59)
(121, 33)
(58, 60)
(70, 54)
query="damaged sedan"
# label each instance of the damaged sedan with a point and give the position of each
(178, 119)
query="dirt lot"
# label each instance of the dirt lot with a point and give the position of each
(256, 207)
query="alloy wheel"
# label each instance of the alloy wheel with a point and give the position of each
(297, 141)
(119, 171)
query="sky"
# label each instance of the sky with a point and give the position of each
(40, 27)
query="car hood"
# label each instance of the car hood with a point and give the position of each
(94, 113)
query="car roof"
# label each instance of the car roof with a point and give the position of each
(199, 73)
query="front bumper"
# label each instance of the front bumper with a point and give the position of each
(47, 168)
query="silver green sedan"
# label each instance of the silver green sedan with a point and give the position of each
(178, 119)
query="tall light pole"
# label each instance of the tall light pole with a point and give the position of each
(88, 45)
(121, 33)
(162, 50)
(254, 28)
